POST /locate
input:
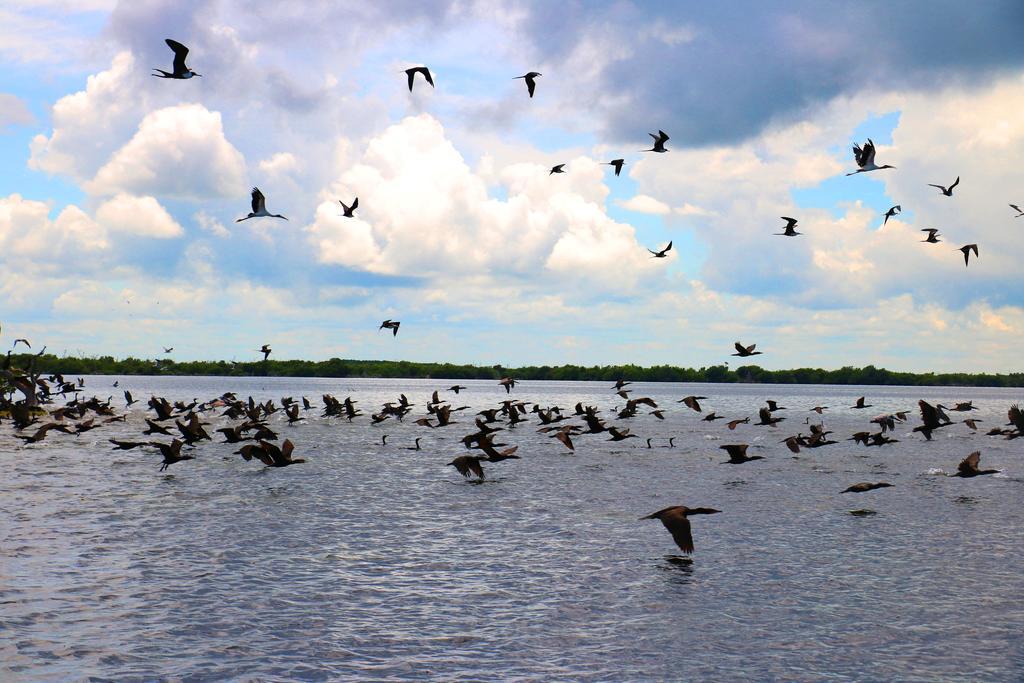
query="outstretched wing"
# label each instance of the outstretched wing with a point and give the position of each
(869, 152)
(679, 526)
(426, 74)
(180, 52)
(969, 464)
(259, 202)
(355, 203)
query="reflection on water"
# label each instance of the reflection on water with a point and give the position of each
(379, 562)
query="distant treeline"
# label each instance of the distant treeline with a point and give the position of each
(336, 367)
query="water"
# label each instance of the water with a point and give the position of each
(382, 563)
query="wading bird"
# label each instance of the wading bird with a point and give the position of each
(790, 230)
(865, 157)
(967, 249)
(181, 71)
(663, 253)
(675, 520)
(531, 81)
(259, 207)
(659, 142)
(948, 191)
(411, 73)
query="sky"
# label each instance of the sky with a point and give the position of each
(119, 192)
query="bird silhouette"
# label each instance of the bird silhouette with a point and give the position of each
(618, 164)
(865, 158)
(1012, 206)
(348, 210)
(560, 168)
(860, 405)
(663, 253)
(424, 71)
(865, 486)
(266, 351)
(181, 72)
(468, 465)
(948, 191)
(531, 81)
(171, 452)
(259, 207)
(893, 210)
(745, 351)
(790, 230)
(659, 142)
(933, 236)
(676, 520)
(967, 249)
(738, 453)
(392, 325)
(968, 467)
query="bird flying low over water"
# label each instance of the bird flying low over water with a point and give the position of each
(560, 168)
(967, 249)
(738, 453)
(349, 209)
(933, 236)
(411, 73)
(618, 163)
(893, 210)
(531, 81)
(744, 351)
(392, 325)
(259, 207)
(865, 486)
(663, 253)
(790, 230)
(1012, 206)
(865, 157)
(659, 142)
(948, 191)
(468, 465)
(968, 467)
(675, 520)
(181, 71)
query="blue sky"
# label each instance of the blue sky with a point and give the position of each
(119, 191)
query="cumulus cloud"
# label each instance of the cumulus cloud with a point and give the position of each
(178, 152)
(643, 203)
(137, 216)
(26, 230)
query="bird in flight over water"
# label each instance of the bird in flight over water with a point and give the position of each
(181, 72)
(259, 207)
(865, 157)
(675, 520)
(663, 253)
(531, 81)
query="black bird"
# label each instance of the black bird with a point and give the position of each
(168, 349)
(948, 191)
(456, 388)
(663, 253)
(618, 164)
(744, 351)
(560, 168)
(531, 81)
(171, 452)
(893, 210)
(933, 237)
(967, 249)
(392, 325)
(659, 142)
(181, 71)
(860, 405)
(692, 402)
(349, 209)
(790, 230)
(468, 465)
(968, 467)
(675, 520)
(20, 341)
(1012, 206)
(932, 417)
(266, 351)
(738, 453)
(411, 73)
(864, 486)
(128, 398)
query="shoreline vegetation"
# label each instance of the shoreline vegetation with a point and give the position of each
(342, 368)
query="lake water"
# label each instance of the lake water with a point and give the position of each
(381, 563)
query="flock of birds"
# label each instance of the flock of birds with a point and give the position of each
(249, 424)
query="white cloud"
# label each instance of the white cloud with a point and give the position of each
(281, 162)
(211, 224)
(27, 231)
(643, 203)
(138, 216)
(178, 152)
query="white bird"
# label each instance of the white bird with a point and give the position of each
(865, 157)
(259, 207)
(180, 70)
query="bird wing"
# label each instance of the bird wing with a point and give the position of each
(259, 202)
(869, 152)
(740, 348)
(667, 248)
(426, 74)
(750, 349)
(679, 526)
(1016, 417)
(662, 136)
(411, 73)
(938, 186)
(857, 154)
(1016, 208)
(180, 52)
(474, 466)
(531, 85)
(969, 464)
(929, 416)
(955, 183)
(790, 222)
(355, 204)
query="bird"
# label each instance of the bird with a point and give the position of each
(865, 486)
(618, 164)
(266, 351)
(415, 447)
(508, 382)
(893, 210)
(20, 341)
(349, 209)
(531, 81)
(676, 520)
(948, 191)
(738, 453)
(865, 157)
(563, 436)
(732, 424)
(411, 73)
(171, 452)
(692, 402)
(272, 456)
(181, 72)
(392, 325)
(663, 253)
(744, 351)
(468, 465)
(860, 405)
(968, 467)
(168, 349)
(560, 168)
(456, 388)
(128, 398)
(659, 142)
(933, 236)
(259, 207)
(932, 418)
(967, 249)
(1012, 206)
(790, 230)
(819, 409)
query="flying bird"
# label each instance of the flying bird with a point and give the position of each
(893, 210)
(744, 351)
(865, 486)
(411, 73)
(865, 157)
(933, 237)
(349, 209)
(560, 168)
(618, 164)
(259, 207)
(531, 81)
(738, 453)
(948, 191)
(392, 325)
(967, 249)
(659, 142)
(676, 520)
(265, 350)
(468, 465)
(21, 341)
(663, 253)
(181, 71)
(168, 349)
(860, 405)
(1012, 206)
(692, 402)
(790, 230)
(968, 467)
